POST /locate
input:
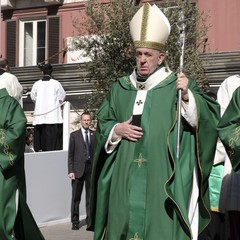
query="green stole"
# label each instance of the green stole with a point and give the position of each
(137, 199)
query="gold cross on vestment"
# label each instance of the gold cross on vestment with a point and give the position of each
(135, 237)
(140, 160)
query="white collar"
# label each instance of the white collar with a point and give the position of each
(152, 81)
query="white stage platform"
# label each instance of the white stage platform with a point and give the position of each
(49, 188)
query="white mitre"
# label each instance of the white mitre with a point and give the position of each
(150, 28)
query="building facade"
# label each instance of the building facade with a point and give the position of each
(32, 31)
(35, 31)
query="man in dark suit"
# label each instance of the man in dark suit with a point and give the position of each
(80, 155)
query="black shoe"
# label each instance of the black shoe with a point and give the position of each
(75, 226)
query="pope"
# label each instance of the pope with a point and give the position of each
(140, 189)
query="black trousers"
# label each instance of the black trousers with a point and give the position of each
(77, 187)
(234, 223)
(217, 228)
(48, 137)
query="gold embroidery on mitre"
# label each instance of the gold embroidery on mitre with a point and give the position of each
(145, 18)
(149, 44)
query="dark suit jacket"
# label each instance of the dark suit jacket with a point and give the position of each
(77, 154)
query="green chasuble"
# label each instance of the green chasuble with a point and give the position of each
(12, 175)
(141, 191)
(229, 130)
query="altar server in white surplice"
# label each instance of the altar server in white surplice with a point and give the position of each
(48, 95)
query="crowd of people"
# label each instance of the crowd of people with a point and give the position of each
(137, 184)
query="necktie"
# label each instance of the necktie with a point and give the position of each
(87, 143)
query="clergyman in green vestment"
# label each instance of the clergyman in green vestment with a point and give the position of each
(140, 190)
(229, 130)
(16, 220)
(228, 98)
